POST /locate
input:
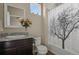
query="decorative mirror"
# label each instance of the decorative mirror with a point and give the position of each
(12, 15)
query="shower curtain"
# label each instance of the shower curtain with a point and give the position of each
(72, 42)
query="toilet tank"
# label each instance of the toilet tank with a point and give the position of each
(37, 41)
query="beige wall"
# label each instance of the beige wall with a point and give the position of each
(35, 29)
(1, 17)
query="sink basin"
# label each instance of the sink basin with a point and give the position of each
(15, 36)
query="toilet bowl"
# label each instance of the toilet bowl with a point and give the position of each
(41, 49)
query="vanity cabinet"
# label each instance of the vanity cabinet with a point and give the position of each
(16, 47)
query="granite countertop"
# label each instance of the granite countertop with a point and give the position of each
(15, 37)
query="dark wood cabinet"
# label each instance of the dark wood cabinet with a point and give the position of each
(16, 47)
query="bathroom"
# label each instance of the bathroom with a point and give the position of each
(33, 21)
(11, 28)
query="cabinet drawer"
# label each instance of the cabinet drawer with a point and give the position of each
(16, 43)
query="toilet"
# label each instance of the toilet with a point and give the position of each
(41, 49)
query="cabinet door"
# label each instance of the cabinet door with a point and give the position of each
(11, 51)
(18, 47)
(24, 50)
(2, 47)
